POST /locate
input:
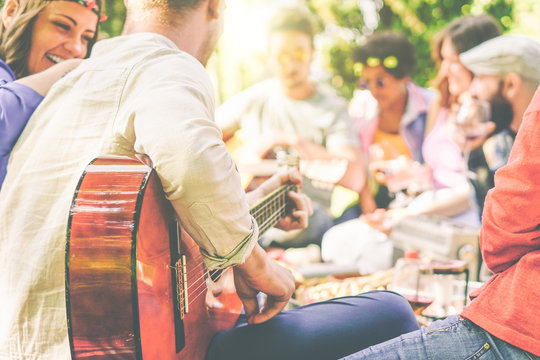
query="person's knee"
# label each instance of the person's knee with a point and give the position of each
(401, 312)
(393, 311)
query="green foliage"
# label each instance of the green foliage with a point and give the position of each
(343, 26)
(116, 13)
(419, 20)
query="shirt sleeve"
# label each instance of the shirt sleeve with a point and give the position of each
(173, 123)
(511, 218)
(17, 103)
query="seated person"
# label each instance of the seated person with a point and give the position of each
(389, 110)
(451, 195)
(291, 111)
(506, 74)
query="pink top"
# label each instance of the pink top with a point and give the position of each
(443, 155)
(507, 306)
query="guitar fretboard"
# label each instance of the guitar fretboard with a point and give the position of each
(272, 208)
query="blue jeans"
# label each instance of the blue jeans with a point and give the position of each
(322, 331)
(453, 338)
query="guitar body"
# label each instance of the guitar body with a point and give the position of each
(136, 287)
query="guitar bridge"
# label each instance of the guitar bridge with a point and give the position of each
(181, 286)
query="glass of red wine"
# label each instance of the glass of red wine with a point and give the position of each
(413, 278)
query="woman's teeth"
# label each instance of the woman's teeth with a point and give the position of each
(55, 59)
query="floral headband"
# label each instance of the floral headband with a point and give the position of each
(92, 5)
(389, 62)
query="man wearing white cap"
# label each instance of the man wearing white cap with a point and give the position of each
(506, 74)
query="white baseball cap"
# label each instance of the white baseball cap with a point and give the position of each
(505, 54)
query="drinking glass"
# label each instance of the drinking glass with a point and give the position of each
(469, 125)
(472, 113)
(413, 278)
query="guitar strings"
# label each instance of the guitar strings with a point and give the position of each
(276, 204)
(198, 288)
(198, 259)
(201, 288)
(258, 210)
(200, 281)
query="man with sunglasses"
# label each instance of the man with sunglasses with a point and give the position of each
(291, 111)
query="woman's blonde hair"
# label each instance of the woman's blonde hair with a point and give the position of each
(15, 41)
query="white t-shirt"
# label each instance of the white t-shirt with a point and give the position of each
(323, 119)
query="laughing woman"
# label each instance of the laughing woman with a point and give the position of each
(40, 41)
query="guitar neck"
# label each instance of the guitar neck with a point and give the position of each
(272, 208)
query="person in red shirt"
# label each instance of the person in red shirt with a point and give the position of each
(502, 321)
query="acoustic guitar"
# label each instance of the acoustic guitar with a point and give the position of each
(136, 285)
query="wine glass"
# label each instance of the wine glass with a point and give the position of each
(413, 278)
(471, 116)
(472, 113)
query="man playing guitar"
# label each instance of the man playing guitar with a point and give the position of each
(145, 92)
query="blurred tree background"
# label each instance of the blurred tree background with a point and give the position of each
(116, 13)
(240, 58)
(419, 20)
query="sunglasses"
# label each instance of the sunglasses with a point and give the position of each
(300, 55)
(380, 83)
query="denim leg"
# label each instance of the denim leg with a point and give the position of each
(508, 351)
(450, 339)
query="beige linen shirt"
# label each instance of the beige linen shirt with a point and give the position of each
(136, 94)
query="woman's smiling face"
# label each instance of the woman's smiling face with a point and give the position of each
(459, 78)
(63, 30)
